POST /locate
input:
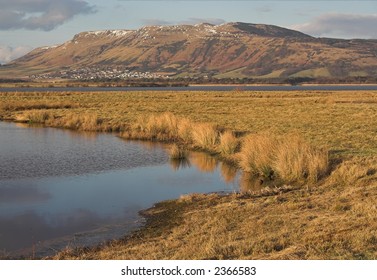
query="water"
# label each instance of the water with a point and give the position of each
(199, 88)
(63, 188)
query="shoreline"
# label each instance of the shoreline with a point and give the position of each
(330, 219)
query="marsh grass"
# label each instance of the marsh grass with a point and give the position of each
(154, 127)
(36, 105)
(228, 143)
(296, 160)
(288, 157)
(177, 152)
(257, 154)
(36, 116)
(85, 122)
(334, 218)
(205, 136)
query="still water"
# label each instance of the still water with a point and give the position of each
(62, 188)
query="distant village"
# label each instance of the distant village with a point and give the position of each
(95, 74)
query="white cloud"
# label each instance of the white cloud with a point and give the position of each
(8, 54)
(40, 14)
(341, 26)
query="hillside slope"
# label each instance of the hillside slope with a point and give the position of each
(227, 50)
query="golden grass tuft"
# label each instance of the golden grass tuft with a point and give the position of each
(289, 157)
(177, 152)
(36, 116)
(185, 128)
(205, 136)
(256, 155)
(228, 143)
(296, 160)
(162, 128)
(86, 122)
(356, 171)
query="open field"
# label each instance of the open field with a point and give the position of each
(334, 217)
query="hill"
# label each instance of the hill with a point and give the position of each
(232, 50)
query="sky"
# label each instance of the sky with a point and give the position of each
(27, 24)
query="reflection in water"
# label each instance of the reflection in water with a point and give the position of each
(254, 183)
(203, 161)
(22, 194)
(29, 231)
(250, 182)
(148, 145)
(179, 163)
(228, 172)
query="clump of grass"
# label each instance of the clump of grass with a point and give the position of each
(228, 143)
(354, 172)
(87, 122)
(205, 136)
(37, 116)
(296, 160)
(289, 157)
(177, 152)
(161, 128)
(256, 156)
(185, 128)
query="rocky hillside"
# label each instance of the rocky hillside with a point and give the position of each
(227, 50)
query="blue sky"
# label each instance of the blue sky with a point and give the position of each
(27, 24)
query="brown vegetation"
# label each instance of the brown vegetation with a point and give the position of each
(289, 157)
(324, 208)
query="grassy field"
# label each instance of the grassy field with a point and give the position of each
(334, 217)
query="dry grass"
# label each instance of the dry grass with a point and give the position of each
(334, 218)
(256, 154)
(228, 143)
(296, 160)
(345, 125)
(155, 127)
(36, 116)
(205, 136)
(177, 152)
(287, 157)
(86, 122)
(36, 105)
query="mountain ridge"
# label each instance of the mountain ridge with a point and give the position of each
(234, 49)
